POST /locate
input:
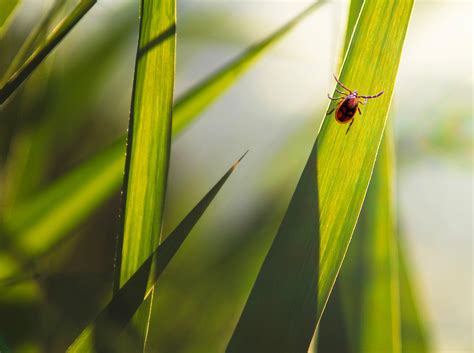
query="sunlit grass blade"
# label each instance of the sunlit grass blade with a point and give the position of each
(106, 328)
(7, 8)
(183, 115)
(368, 282)
(13, 82)
(148, 148)
(301, 267)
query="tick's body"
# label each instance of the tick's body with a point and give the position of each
(349, 104)
(347, 108)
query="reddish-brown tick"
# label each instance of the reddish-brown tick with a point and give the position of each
(348, 104)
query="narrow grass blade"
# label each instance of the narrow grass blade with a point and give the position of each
(364, 306)
(7, 8)
(148, 147)
(45, 49)
(106, 328)
(183, 115)
(301, 267)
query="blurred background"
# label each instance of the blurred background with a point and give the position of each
(78, 102)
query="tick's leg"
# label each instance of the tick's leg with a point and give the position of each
(374, 96)
(343, 93)
(330, 111)
(342, 85)
(334, 98)
(349, 126)
(358, 108)
(364, 102)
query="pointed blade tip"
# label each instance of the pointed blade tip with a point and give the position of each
(238, 161)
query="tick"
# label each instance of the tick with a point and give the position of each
(348, 104)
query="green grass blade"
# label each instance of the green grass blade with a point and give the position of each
(183, 116)
(376, 305)
(301, 267)
(106, 328)
(148, 147)
(45, 49)
(7, 8)
(368, 282)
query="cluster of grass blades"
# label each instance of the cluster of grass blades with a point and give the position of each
(81, 190)
(303, 262)
(102, 333)
(290, 293)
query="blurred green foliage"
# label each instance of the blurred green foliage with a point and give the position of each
(72, 106)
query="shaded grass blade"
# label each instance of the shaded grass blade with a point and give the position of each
(334, 183)
(148, 148)
(13, 82)
(283, 284)
(116, 315)
(184, 114)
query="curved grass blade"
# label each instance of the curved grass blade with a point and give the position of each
(301, 267)
(368, 283)
(183, 115)
(63, 28)
(148, 148)
(106, 328)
